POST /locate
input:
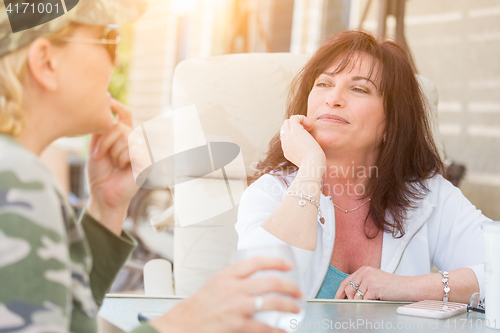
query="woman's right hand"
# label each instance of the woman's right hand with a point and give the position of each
(226, 303)
(298, 144)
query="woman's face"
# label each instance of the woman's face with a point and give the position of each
(346, 109)
(85, 76)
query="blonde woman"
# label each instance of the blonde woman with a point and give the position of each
(55, 268)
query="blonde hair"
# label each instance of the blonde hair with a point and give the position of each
(13, 69)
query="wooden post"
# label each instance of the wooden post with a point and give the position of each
(400, 21)
(382, 17)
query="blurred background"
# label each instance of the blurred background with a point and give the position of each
(455, 43)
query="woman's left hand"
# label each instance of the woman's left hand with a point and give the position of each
(375, 284)
(112, 183)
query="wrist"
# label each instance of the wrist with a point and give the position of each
(111, 218)
(165, 325)
(425, 287)
(315, 158)
(173, 321)
(312, 168)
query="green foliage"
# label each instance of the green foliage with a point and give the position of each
(119, 79)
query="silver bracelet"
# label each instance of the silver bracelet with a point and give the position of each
(446, 285)
(302, 202)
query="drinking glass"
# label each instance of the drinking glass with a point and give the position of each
(491, 234)
(276, 319)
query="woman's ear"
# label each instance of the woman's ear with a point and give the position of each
(43, 64)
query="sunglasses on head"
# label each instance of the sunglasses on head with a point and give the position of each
(110, 40)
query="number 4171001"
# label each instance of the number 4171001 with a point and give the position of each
(469, 323)
(40, 8)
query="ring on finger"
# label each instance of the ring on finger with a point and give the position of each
(259, 302)
(282, 132)
(354, 285)
(360, 293)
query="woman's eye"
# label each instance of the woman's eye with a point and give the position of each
(361, 90)
(321, 84)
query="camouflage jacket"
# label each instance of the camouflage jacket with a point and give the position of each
(54, 269)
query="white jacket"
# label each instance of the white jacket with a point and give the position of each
(444, 230)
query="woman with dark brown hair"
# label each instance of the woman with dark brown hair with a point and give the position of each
(353, 183)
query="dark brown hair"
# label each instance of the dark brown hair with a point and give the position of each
(408, 157)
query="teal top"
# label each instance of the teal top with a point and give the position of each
(331, 283)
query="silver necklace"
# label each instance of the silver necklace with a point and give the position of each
(351, 210)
